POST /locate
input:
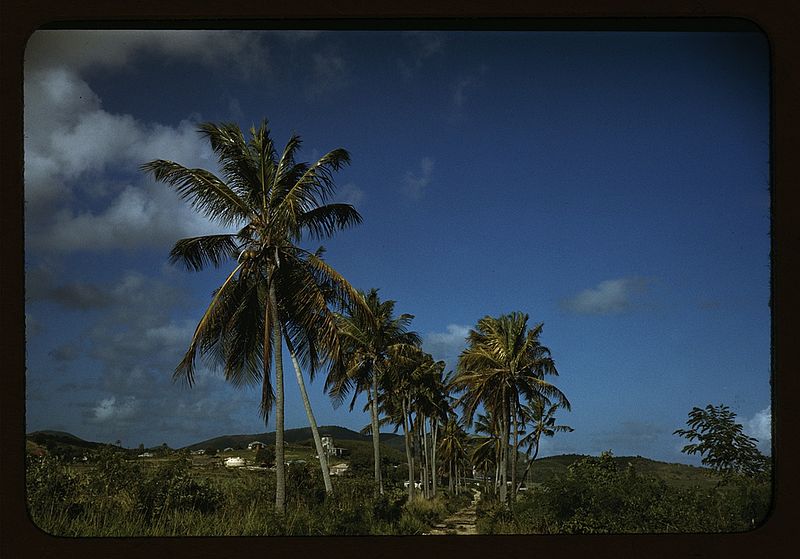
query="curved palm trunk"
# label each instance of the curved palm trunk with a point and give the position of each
(514, 459)
(376, 441)
(528, 467)
(323, 461)
(280, 466)
(504, 426)
(409, 456)
(433, 455)
(424, 475)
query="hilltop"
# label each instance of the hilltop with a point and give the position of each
(298, 435)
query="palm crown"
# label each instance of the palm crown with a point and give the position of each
(275, 202)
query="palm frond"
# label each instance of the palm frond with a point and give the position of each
(198, 252)
(204, 191)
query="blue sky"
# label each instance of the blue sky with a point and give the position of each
(611, 185)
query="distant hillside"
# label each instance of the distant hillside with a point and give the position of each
(299, 435)
(682, 475)
(50, 439)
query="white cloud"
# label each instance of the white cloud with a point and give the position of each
(350, 194)
(608, 297)
(66, 155)
(760, 427)
(446, 345)
(108, 410)
(416, 184)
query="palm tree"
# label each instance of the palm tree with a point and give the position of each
(503, 366)
(453, 446)
(542, 415)
(276, 291)
(369, 334)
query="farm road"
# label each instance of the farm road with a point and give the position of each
(461, 523)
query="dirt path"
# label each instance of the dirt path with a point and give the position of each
(462, 523)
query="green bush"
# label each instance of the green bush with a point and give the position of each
(50, 488)
(596, 496)
(172, 488)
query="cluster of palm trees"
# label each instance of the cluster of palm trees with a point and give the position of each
(279, 294)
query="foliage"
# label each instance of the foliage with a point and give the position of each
(265, 456)
(721, 442)
(597, 496)
(172, 488)
(49, 485)
(173, 500)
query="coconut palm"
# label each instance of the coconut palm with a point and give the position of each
(541, 414)
(453, 447)
(370, 334)
(503, 366)
(276, 291)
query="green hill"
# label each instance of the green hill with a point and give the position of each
(294, 436)
(682, 475)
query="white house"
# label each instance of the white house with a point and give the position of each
(339, 469)
(329, 448)
(234, 462)
(255, 445)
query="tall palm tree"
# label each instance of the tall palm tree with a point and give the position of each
(369, 335)
(503, 366)
(541, 414)
(276, 291)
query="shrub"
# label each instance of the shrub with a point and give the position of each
(50, 488)
(172, 488)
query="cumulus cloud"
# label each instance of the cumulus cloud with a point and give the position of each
(608, 297)
(71, 143)
(109, 410)
(760, 427)
(415, 184)
(446, 345)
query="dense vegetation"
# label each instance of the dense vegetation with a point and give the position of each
(114, 496)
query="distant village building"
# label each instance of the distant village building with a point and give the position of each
(255, 445)
(229, 449)
(330, 449)
(234, 462)
(339, 469)
(199, 452)
(145, 455)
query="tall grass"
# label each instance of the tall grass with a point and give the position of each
(114, 497)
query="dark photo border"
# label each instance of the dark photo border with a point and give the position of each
(779, 21)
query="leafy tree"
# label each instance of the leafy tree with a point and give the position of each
(721, 442)
(277, 291)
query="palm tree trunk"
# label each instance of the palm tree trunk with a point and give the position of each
(323, 461)
(504, 427)
(514, 458)
(376, 441)
(425, 461)
(528, 467)
(433, 454)
(280, 466)
(409, 456)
